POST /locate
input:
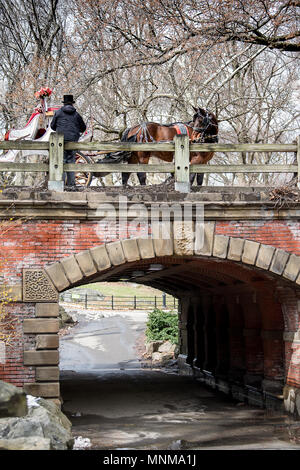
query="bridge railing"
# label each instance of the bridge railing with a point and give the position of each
(180, 146)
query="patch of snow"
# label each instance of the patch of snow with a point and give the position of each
(82, 443)
(90, 342)
(176, 445)
(32, 402)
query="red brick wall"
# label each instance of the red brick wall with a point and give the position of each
(13, 370)
(281, 234)
(39, 243)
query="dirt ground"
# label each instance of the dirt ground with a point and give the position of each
(116, 403)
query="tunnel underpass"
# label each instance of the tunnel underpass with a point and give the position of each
(231, 327)
(231, 320)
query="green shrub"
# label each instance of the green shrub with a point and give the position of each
(162, 326)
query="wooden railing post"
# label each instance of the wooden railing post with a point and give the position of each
(56, 162)
(182, 163)
(298, 160)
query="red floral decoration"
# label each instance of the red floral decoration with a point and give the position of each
(43, 93)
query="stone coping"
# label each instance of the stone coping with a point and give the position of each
(137, 193)
(221, 204)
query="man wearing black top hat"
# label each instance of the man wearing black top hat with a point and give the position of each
(67, 121)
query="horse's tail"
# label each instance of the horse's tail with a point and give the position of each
(124, 137)
(132, 138)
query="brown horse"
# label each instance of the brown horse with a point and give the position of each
(203, 128)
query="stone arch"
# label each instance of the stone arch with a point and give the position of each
(72, 269)
(86, 265)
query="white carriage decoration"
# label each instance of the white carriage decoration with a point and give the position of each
(38, 129)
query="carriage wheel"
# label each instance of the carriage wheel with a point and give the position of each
(82, 179)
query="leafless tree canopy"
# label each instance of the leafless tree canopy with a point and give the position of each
(132, 60)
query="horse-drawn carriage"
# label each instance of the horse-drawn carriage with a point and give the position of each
(38, 129)
(202, 128)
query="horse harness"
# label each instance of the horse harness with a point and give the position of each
(145, 136)
(181, 129)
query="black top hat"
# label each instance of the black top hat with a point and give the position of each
(68, 99)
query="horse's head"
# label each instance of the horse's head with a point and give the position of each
(205, 126)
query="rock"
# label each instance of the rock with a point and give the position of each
(12, 401)
(43, 421)
(55, 424)
(26, 443)
(14, 428)
(166, 357)
(161, 358)
(156, 357)
(64, 318)
(167, 347)
(152, 347)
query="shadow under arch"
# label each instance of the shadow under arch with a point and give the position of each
(259, 280)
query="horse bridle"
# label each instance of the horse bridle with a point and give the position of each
(201, 130)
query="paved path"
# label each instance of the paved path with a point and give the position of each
(102, 341)
(118, 405)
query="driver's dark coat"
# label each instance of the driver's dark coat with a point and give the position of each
(67, 121)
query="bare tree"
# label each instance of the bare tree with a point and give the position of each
(31, 38)
(134, 61)
(155, 32)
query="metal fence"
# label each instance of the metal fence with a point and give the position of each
(116, 302)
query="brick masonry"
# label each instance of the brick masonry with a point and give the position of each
(60, 246)
(43, 242)
(279, 234)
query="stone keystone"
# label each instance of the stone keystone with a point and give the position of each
(183, 237)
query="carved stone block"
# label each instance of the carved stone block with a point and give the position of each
(37, 286)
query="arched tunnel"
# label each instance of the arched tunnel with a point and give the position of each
(238, 314)
(231, 319)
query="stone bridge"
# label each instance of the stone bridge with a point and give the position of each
(233, 262)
